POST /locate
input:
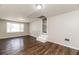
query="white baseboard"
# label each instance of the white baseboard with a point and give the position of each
(11, 36)
(64, 45)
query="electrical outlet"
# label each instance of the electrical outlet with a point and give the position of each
(66, 39)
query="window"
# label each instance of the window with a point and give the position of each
(15, 27)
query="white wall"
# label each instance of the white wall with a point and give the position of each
(36, 28)
(64, 26)
(4, 34)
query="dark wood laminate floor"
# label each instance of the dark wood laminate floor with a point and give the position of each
(29, 46)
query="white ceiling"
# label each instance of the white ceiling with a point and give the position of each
(28, 12)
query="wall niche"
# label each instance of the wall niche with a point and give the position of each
(44, 24)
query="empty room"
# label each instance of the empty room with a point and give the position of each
(39, 29)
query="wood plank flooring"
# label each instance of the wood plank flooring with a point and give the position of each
(30, 46)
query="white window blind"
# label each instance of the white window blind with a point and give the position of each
(15, 27)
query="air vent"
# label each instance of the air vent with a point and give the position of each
(66, 39)
(41, 17)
